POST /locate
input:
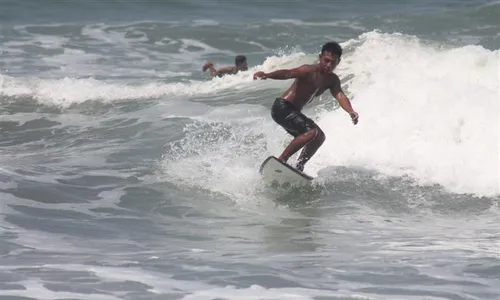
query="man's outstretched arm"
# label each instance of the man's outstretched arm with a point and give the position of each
(344, 102)
(284, 74)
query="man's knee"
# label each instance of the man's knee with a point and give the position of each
(320, 135)
(317, 135)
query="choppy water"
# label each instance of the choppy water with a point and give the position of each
(127, 173)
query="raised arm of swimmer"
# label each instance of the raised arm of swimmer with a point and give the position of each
(240, 64)
(222, 71)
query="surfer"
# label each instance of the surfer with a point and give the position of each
(311, 80)
(240, 64)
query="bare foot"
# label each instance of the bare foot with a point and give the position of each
(282, 159)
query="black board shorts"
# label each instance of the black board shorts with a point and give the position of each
(290, 118)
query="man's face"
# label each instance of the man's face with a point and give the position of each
(328, 61)
(242, 66)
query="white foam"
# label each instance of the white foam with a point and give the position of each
(256, 292)
(205, 49)
(252, 43)
(224, 162)
(36, 290)
(426, 112)
(164, 284)
(341, 23)
(67, 91)
(72, 58)
(203, 22)
(101, 34)
(49, 41)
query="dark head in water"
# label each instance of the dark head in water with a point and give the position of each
(241, 63)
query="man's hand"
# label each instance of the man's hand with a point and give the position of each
(354, 117)
(260, 75)
(207, 65)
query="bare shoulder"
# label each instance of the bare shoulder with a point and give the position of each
(333, 79)
(301, 72)
(227, 70)
(307, 68)
(310, 66)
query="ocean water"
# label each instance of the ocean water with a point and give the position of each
(128, 173)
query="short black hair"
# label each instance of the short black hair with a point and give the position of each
(332, 47)
(240, 59)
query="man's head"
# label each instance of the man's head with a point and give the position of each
(330, 56)
(241, 62)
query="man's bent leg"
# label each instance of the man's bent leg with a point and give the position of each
(297, 143)
(298, 125)
(310, 149)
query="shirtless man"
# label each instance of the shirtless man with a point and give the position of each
(240, 64)
(310, 81)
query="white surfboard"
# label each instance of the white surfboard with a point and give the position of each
(273, 170)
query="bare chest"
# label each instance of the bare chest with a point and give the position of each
(318, 84)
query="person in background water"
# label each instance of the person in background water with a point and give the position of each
(240, 64)
(310, 80)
